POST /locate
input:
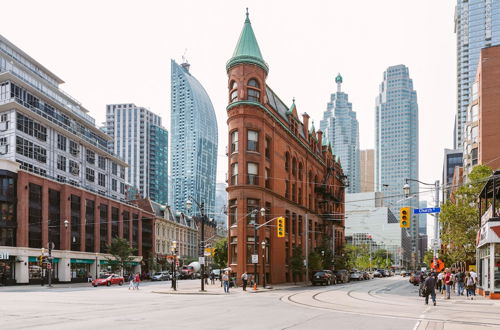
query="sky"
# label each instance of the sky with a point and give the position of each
(119, 52)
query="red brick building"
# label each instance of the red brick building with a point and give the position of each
(80, 223)
(277, 163)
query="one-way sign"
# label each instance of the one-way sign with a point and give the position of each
(427, 210)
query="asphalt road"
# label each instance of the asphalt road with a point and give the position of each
(389, 303)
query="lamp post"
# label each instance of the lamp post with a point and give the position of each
(173, 250)
(201, 206)
(263, 244)
(406, 190)
(255, 227)
(96, 265)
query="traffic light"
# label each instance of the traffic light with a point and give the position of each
(40, 260)
(281, 227)
(404, 217)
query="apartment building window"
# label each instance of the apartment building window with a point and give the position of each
(294, 191)
(122, 172)
(234, 173)
(301, 170)
(287, 161)
(90, 156)
(74, 168)
(4, 146)
(122, 188)
(252, 204)
(61, 163)
(300, 225)
(268, 148)
(299, 195)
(61, 142)
(267, 178)
(234, 141)
(253, 92)
(252, 140)
(233, 212)
(287, 222)
(73, 148)
(101, 180)
(294, 223)
(30, 150)
(234, 250)
(102, 163)
(90, 174)
(294, 166)
(114, 168)
(30, 127)
(253, 173)
(287, 189)
(114, 185)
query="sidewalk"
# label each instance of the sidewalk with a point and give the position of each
(216, 290)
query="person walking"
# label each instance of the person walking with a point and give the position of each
(244, 278)
(448, 282)
(421, 279)
(474, 277)
(225, 280)
(469, 286)
(460, 283)
(131, 280)
(439, 283)
(137, 280)
(212, 277)
(429, 289)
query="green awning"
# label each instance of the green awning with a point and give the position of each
(35, 259)
(133, 263)
(82, 261)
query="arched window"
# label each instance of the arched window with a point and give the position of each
(233, 94)
(253, 83)
(294, 166)
(233, 84)
(300, 171)
(287, 161)
(253, 94)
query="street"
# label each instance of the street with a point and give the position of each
(387, 303)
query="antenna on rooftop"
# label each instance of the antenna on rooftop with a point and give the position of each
(185, 64)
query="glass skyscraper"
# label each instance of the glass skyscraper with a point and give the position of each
(477, 25)
(194, 142)
(139, 139)
(341, 129)
(396, 142)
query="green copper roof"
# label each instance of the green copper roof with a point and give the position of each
(247, 50)
(338, 79)
(290, 111)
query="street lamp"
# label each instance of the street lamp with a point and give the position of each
(263, 244)
(173, 250)
(96, 262)
(406, 189)
(201, 206)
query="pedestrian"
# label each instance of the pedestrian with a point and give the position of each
(448, 281)
(212, 277)
(225, 280)
(131, 279)
(439, 283)
(421, 279)
(460, 283)
(244, 278)
(428, 288)
(469, 286)
(137, 280)
(474, 277)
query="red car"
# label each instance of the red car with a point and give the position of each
(108, 279)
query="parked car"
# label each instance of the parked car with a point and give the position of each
(377, 273)
(387, 273)
(356, 276)
(108, 279)
(323, 277)
(403, 273)
(160, 276)
(415, 278)
(366, 276)
(216, 272)
(342, 276)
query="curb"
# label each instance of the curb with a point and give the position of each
(189, 293)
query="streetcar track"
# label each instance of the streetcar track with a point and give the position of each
(289, 299)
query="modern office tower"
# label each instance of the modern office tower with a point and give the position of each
(194, 142)
(367, 169)
(477, 25)
(341, 130)
(422, 218)
(139, 138)
(220, 213)
(61, 185)
(482, 129)
(452, 158)
(396, 142)
(371, 223)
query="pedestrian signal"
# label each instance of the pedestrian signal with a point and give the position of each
(281, 227)
(404, 217)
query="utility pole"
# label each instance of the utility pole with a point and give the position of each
(306, 223)
(436, 223)
(202, 245)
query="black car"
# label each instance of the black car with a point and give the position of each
(323, 277)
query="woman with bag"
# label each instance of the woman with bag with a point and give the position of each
(469, 286)
(448, 281)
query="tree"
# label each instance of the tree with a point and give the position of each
(220, 253)
(296, 263)
(315, 261)
(459, 219)
(382, 258)
(326, 253)
(428, 257)
(122, 254)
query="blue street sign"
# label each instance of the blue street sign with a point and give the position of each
(427, 210)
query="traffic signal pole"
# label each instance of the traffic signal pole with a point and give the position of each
(436, 223)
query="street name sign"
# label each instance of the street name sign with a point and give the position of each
(427, 210)
(201, 260)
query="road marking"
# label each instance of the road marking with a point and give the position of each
(421, 318)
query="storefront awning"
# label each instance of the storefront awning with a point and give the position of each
(82, 261)
(132, 263)
(35, 259)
